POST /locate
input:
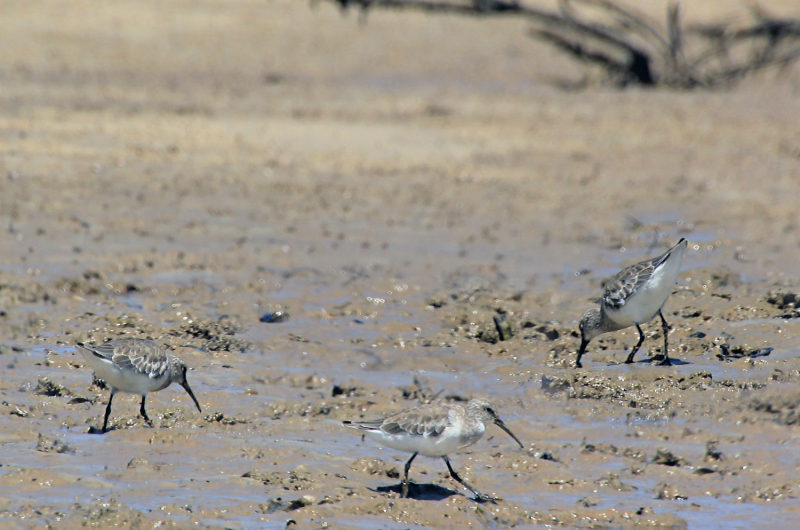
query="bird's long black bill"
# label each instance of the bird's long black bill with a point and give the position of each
(502, 425)
(191, 394)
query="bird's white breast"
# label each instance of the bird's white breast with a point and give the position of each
(644, 304)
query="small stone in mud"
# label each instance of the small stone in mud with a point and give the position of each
(140, 462)
(503, 327)
(374, 466)
(217, 334)
(705, 470)
(436, 301)
(690, 312)
(99, 383)
(218, 417)
(712, 453)
(347, 391)
(48, 388)
(273, 505)
(666, 492)
(418, 392)
(728, 353)
(612, 481)
(22, 413)
(305, 500)
(549, 332)
(784, 300)
(274, 318)
(588, 502)
(47, 445)
(666, 458)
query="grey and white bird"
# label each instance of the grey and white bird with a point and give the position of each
(435, 430)
(634, 297)
(137, 366)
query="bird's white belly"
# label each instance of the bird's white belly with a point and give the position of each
(645, 303)
(446, 443)
(125, 380)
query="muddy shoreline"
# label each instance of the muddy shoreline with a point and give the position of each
(178, 178)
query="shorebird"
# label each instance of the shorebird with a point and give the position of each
(434, 430)
(634, 297)
(137, 366)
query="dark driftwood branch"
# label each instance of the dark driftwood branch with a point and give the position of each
(630, 47)
(769, 42)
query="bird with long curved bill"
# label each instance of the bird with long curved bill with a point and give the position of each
(137, 366)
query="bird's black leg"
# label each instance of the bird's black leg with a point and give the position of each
(108, 412)
(480, 497)
(581, 351)
(405, 476)
(665, 329)
(143, 413)
(629, 360)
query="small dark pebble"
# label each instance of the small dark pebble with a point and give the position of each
(549, 332)
(728, 353)
(712, 453)
(704, 471)
(275, 318)
(763, 352)
(296, 505)
(48, 445)
(45, 387)
(698, 335)
(503, 327)
(436, 302)
(274, 78)
(666, 458)
(274, 505)
(347, 391)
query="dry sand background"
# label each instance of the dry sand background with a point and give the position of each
(174, 170)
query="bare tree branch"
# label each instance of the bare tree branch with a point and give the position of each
(633, 49)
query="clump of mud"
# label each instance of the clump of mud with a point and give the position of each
(213, 335)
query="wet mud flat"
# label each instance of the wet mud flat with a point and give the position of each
(609, 444)
(386, 226)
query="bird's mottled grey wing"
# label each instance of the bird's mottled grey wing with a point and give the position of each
(625, 283)
(143, 356)
(420, 421)
(629, 279)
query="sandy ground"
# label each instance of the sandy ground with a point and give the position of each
(175, 170)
